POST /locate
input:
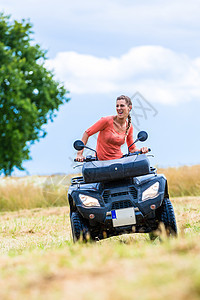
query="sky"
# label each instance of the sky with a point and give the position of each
(148, 50)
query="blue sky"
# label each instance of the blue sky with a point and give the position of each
(104, 49)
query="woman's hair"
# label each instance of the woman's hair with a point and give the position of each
(129, 103)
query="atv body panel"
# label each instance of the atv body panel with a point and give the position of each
(118, 196)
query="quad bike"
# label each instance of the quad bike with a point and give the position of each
(119, 196)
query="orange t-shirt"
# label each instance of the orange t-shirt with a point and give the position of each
(109, 141)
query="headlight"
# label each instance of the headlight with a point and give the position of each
(88, 201)
(151, 192)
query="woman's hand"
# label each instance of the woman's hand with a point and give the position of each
(80, 156)
(144, 150)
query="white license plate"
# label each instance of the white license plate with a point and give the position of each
(123, 217)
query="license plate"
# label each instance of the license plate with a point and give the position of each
(123, 217)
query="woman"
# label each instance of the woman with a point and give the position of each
(113, 132)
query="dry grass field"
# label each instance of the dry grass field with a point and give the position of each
(39, 261)
(47, 191)
(183, 181)
(33, 192)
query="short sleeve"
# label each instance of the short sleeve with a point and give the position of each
(98, 126)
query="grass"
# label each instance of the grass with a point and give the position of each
(33, 191)
(47, 191)
(183, 181)
(39, 261)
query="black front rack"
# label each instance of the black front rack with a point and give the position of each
(80, 179)
(77, 180)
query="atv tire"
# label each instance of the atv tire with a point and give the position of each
(80, 231)
(166, 216)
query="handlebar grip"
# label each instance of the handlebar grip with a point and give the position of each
(79, 161)
(87, 159)
(140, 152)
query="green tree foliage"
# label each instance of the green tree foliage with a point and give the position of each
(29, 95)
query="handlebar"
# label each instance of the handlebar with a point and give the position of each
(135, 153)
(88, 158)
(140, 152)
(92, 158)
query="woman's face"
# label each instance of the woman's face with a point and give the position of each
(122, 109)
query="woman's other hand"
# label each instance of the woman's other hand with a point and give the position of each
(144, 150)
(80, 157)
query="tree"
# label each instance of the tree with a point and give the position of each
(29, 94)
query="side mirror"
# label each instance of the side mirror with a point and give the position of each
(78, 145)
(142, 136)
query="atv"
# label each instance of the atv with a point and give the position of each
(119, 196)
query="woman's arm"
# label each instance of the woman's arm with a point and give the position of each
(133, 148)
(98, 126)
(129, 140)
(80, 156)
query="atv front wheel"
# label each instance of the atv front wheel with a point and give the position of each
(80, 230)
(166, 216)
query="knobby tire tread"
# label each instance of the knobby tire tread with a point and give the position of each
(167, 217)
(78, 227)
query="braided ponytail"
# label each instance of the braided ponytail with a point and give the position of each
(129, 124)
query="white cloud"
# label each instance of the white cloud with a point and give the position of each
(158, 73)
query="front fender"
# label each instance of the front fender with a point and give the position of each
(98, 212)
(76, 204)
(144, 183)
